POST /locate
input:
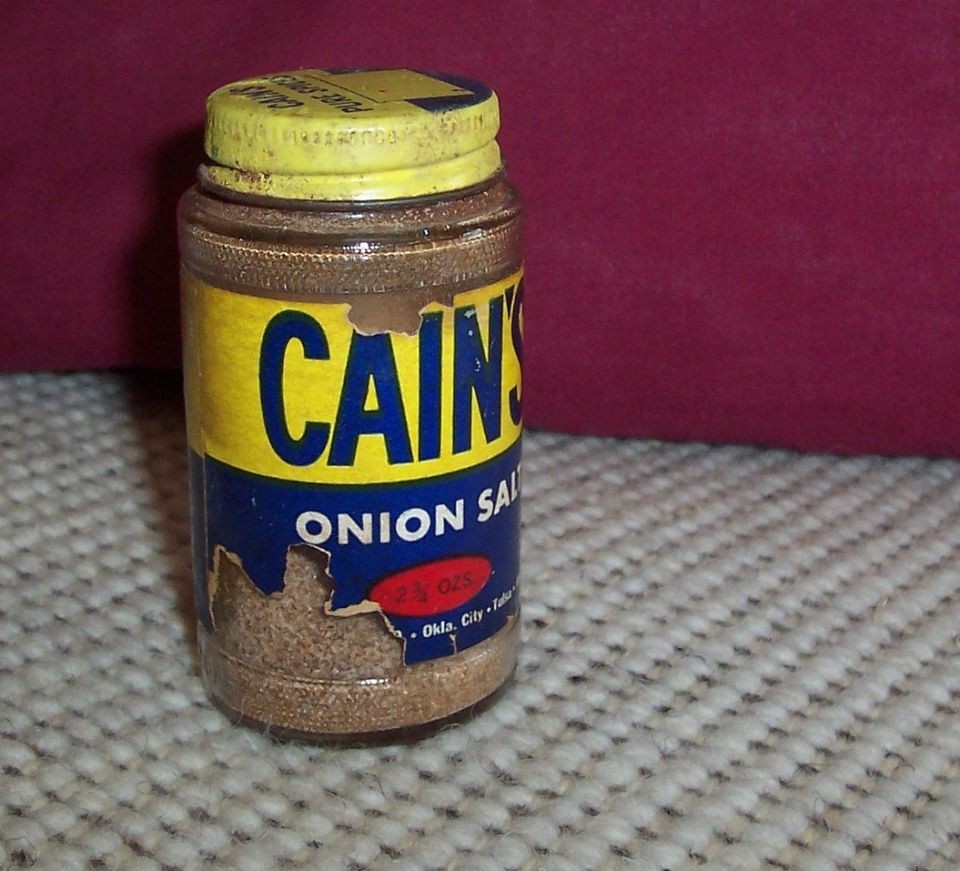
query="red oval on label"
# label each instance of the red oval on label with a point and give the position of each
(432, 588)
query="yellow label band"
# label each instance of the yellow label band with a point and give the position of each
(291, 390)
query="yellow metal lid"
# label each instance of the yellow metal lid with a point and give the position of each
(345, 134)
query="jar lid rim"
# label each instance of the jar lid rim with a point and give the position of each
(352, 134)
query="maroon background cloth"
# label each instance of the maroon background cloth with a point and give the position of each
(743, 217)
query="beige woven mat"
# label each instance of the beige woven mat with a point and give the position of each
(734, 659)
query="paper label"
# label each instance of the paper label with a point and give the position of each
(398, 455)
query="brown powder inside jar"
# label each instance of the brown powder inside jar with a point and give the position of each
(289, 660)
(283, 659)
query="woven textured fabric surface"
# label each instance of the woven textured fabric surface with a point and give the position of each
(733, 659)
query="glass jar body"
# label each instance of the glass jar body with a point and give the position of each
(286, 655)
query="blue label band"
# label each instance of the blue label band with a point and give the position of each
(439, 557)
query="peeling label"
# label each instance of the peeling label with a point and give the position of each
(395, 454)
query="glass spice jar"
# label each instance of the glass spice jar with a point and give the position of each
(352, 318)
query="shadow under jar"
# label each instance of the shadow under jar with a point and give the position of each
(352, 316)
